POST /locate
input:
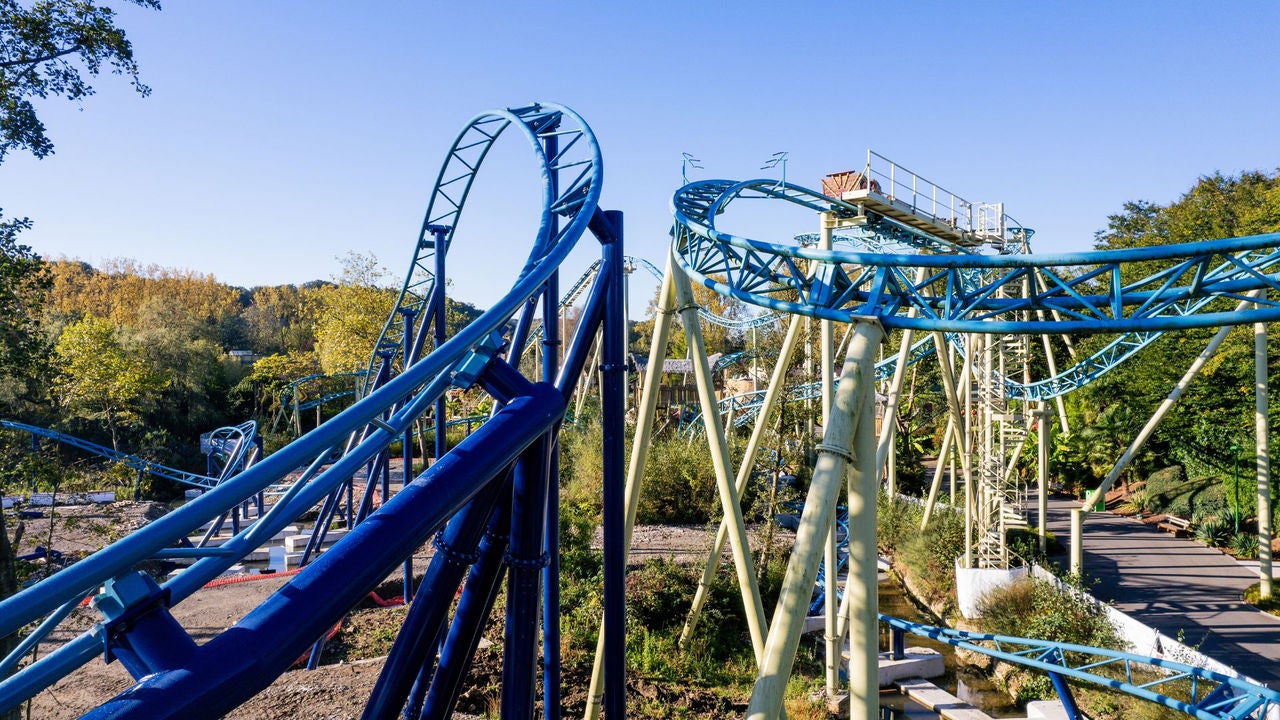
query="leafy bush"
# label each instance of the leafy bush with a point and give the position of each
(1169, 491)
(1245, 545)
(1025, 543)
(679, 483)
(659, 594)
(582, 464)
(1037, 608)
(898, 520)
(1139, 501)
(930, 556)
(577, 528)
(1214, 532)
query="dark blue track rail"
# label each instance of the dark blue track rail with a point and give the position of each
(490, 501)
(486, 500)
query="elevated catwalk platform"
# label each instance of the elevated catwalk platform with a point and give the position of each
(884, 188)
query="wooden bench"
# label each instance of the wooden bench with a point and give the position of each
(1176, 525)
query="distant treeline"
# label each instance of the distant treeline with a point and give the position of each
(145, 358)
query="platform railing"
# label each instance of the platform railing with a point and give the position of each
(921, 195)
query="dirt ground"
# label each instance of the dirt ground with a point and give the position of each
(331, 691)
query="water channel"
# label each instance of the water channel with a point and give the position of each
(969, 685)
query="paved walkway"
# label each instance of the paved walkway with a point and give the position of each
(1177, 586)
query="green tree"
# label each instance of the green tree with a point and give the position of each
(1217, 409)
(99, 380)
(276, 321)
(349, 316)
(24, 284)
(46, 48)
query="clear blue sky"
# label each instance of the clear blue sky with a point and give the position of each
(282, 134)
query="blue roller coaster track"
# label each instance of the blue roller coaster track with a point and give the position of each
(488, 505)
(959, 292)
(490, 501)
(1204, 694)
(227, 451)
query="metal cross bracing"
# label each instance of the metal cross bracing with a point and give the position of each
(291, 396)
(1085, 289)
(488, 498)
(588, 276)
(132, 461)
(1190, 690)
(986, 304)
(742, 407)
(889, 237)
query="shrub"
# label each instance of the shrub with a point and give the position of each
(899, 521)
(679, 483)
(1139, 501)
(659, 595)
(1214, 532)
(1036, 608)
(1170, 491)
(582, 464)
(930, 556)
(1025, 543)
(1245, 545)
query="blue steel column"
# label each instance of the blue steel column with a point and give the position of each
(479, 594)
(1065, 695)
(551, 575)
(413, 654)
(613, 408)
(520, 649)
(437, 305)
(407, 469)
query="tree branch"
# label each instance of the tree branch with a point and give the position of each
(36, 61)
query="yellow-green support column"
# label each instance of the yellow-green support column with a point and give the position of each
(757, 623)
(639, 456)
(777, 383)
(854, 409)
(862, 590)
(1261, 425)
(830, 553)
(1043, 413)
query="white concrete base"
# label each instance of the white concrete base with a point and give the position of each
(1046, 710)
(972, 584)
(298, 543)
(917, 663)
(940, 701)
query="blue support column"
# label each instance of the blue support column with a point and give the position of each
(613, 409)
(437, 305)
(413, 654)
(474, 608)
(1064, 694)
(551, 546)
(526, 559)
